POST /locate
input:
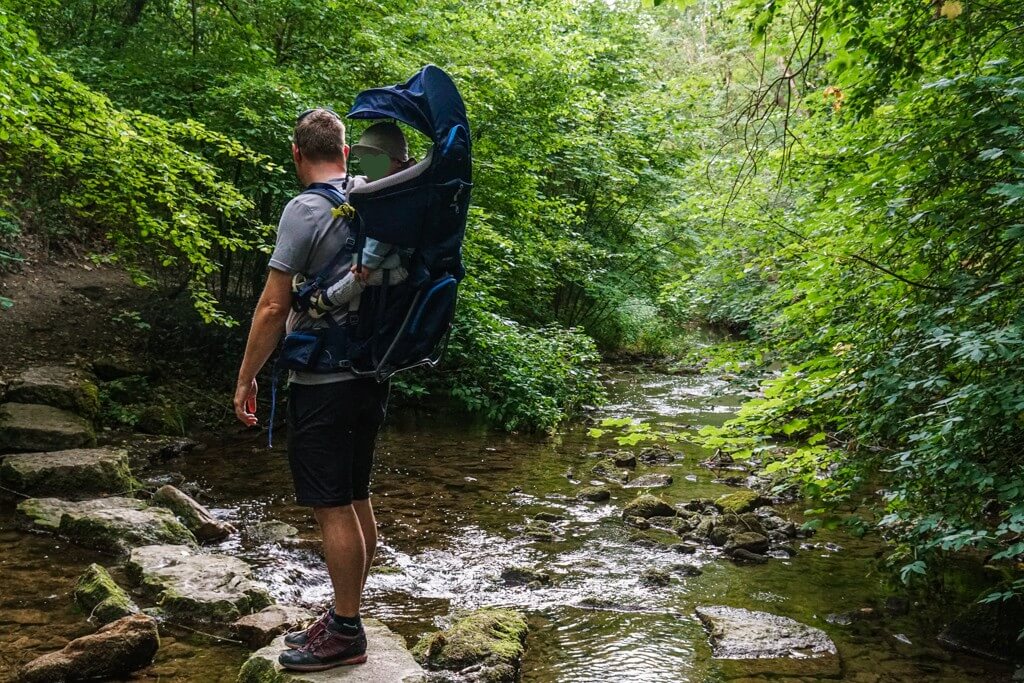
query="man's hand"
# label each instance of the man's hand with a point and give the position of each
(245, 403)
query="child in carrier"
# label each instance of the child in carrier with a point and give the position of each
(382, 151)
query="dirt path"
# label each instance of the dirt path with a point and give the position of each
(64, 312)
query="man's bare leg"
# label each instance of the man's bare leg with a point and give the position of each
(345, 551)
(368, 524)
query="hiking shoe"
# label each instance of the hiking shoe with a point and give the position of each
(326, 650)
(297, 639)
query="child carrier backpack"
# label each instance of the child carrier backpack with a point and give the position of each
(423, 209)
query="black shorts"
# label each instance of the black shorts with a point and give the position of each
(332, 429)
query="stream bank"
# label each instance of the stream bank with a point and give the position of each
(457, 504)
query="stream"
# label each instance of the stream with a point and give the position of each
(452, 498)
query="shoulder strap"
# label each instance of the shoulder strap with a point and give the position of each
(328, 192)
(337, 199)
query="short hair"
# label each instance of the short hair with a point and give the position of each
(320, 136)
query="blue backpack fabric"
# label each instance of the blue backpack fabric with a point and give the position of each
(406, 325)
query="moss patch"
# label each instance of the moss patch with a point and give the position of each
(493, 638)
(740, 501)
(648, 506)
(99, 596)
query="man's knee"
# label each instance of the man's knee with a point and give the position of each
(327, 515)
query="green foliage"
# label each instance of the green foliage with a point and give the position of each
(884, 265)
(521, 377)
(145, 184)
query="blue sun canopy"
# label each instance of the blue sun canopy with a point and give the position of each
(429, 102)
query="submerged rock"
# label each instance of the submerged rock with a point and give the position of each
(491, 641)
(259, 628)
(524, 576)
(33, 427)
(595, 494)
(75, 473)
(768, 644)
(624, 459)
(192, 586)
(59, 386)
(657, 455)
(116, 650)
(270, 531)
(648, 506)
(747, 540)
(652, 480)
(740, 501)
(389, 662)
(655, 578)
(549, 517)
(100, 597)
(196, 518)
(607, 469)
(113, 525)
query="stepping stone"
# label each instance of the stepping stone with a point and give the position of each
(196, 587)
(388, 661)
(763, 644)
(113, 525)
(57, 386)
(650, 481)
(36, 427)
(75, 473)
(196, 517)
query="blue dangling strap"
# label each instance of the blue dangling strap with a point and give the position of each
(273, 406)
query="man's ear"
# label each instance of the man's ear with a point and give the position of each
(344, 152)
(296, 154)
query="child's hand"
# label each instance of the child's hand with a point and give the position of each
(363, 274)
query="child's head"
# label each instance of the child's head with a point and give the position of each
(382, 150)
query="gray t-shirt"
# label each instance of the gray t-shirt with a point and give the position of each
(308, 237)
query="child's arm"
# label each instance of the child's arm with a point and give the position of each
(374, 253)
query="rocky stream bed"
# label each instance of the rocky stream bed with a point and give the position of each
(504, 556)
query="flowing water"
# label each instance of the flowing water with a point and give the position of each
(452, 498)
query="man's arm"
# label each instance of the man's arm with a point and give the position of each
(267, 326)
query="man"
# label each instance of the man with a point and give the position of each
(333, 419)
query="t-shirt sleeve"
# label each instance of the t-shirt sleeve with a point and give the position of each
(295, 233)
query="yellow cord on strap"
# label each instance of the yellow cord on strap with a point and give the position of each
(346, 210)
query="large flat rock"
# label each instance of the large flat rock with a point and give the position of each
(36, 427)
(74, 473)
(192, 586)
(388, 661)
(759, 643)
(58, 386)
(114, 525)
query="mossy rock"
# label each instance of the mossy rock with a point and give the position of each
(113, 525)
(161, 420)
(607, 469)
(195, 587)
(740, 501)
(99, 596)
(58, 386)
(647, 506)
(71, 474)
(493, 639)
(594, 494)
(37, 427)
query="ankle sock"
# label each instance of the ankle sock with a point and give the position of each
(346, 625)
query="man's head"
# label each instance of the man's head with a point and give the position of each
(382, 150)
(319, 141)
